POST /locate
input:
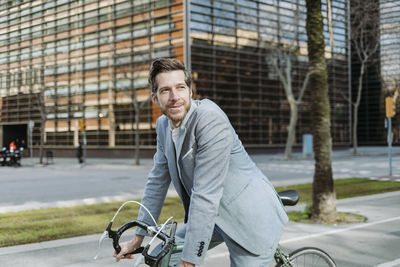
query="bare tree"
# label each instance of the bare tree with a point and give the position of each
(41, 106)
(129, 72)
(281, 57)
(365, 39)
(324, 196)
(285, 76)
(131, 92)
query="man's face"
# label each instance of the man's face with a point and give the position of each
(173, 95)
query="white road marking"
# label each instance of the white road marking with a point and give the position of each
(390, 263)
(336, 231)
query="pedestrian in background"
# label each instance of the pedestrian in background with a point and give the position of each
(79, 154)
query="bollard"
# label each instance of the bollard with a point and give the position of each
(307, 145)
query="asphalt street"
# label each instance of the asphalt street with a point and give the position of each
(65, 183)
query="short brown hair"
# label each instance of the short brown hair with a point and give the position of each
(164, 64)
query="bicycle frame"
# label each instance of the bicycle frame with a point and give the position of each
(281, 258)
(176, 248)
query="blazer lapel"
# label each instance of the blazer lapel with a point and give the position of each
(183, 130)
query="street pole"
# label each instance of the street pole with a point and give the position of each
(30, 127)
(390, 106)
(84, 146)
(389, 140)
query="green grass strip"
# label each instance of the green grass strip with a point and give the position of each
(55, 223)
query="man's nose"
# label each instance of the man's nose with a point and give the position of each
(173, 95)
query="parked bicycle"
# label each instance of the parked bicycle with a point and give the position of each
(302, 257)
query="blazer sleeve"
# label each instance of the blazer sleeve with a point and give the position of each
(157, 185)
(214, 139)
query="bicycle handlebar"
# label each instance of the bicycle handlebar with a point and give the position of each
(149, 259)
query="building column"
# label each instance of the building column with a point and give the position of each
(186, 37)
(76, 134)
(111, 119)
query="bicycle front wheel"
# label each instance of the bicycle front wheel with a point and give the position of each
(310, 257)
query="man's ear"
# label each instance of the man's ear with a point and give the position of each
(154, 98)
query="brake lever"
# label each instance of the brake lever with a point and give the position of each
(149, 259)
(116, 235)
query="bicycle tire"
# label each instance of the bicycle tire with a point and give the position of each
(310, 257)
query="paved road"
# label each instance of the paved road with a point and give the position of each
(101, 180)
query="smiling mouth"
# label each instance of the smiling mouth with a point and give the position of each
(175, 107)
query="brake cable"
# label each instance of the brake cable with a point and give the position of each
(112, 234)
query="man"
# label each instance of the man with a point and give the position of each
(225, 196)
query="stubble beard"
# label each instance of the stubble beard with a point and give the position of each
(177, 119)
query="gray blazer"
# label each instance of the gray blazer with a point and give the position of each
(217, 182)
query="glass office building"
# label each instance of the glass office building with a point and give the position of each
(390, 60)
(68, 63)
(382, 75)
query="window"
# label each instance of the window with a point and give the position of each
(123, 33)
(122, 9)
(91, 65)
(62, 25)
(62, 69)
(161, 25)
(49, 50)
(25, 53)
(140, 29)
(91, 87)
(90, 17)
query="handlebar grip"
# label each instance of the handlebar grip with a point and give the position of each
(150, 260)
(116, 235)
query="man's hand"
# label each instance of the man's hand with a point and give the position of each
(186, 264)
(128, 247)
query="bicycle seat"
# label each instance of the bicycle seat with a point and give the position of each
(289, 197)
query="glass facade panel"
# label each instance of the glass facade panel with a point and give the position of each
(231, 68)
(390, 59)
(80, 58)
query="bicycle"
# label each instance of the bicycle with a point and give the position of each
(306, 256)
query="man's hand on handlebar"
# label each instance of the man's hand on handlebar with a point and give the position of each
(128, 247)
(186, 264)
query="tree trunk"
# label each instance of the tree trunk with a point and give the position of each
(291, 129)
(355, 129)
(137, 143)
(324, 196)
(41, 149)
(356, 105)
